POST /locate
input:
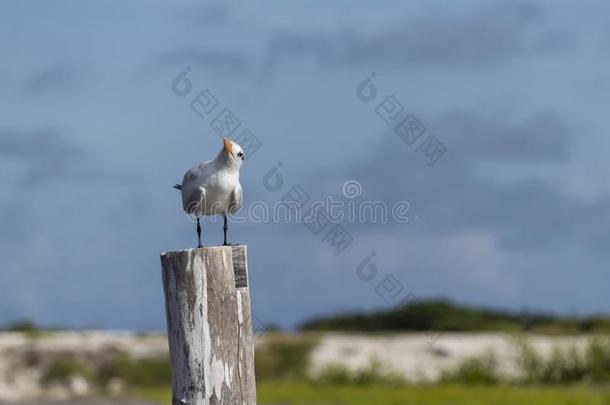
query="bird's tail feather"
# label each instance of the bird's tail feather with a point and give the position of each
(177, 186)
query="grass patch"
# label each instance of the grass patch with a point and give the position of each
(567, 365)
(283, 357)
(151, 372)
(59, 371)
(374, 375)
(474, 371)
(431, 395)
(292, 393)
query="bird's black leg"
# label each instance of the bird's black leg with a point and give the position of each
(199, 234)
(225, 228)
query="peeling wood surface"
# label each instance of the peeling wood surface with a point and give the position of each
(209, 326)
(244, 319)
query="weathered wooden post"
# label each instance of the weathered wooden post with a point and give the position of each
(209, 326)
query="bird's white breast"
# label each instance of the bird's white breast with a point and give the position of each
(218, 183)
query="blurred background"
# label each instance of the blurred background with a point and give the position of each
(483, 120)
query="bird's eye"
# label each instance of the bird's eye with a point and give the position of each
(240, 154)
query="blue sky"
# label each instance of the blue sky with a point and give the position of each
(514, 215)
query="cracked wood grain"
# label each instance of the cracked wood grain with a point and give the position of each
(209, 326)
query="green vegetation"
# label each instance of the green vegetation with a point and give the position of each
(294, 393)
(283, 357)
(564, 366)
(446, 316)
(136, 372)
(474, 372)
(374, 375)
(24, 326)
(28, 328)
(597, 359)
(567, 365)
(428, 395)
(60, 370)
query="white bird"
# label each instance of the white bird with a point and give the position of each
(212, 187)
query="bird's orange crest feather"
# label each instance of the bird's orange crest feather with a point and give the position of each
(228, 145)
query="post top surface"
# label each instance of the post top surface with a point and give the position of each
(201, 249)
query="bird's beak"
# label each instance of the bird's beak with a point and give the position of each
(228, 146)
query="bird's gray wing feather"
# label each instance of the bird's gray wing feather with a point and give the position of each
(236, 200)
(193, 199)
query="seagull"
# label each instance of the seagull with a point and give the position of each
(212, 187)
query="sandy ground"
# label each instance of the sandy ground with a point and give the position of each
(22, 359)
(423, 357)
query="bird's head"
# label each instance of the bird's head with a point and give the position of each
(233, 152)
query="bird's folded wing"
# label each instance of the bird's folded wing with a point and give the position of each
(236, 200)
(193, 199)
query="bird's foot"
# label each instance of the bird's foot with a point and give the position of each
(230, 244)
